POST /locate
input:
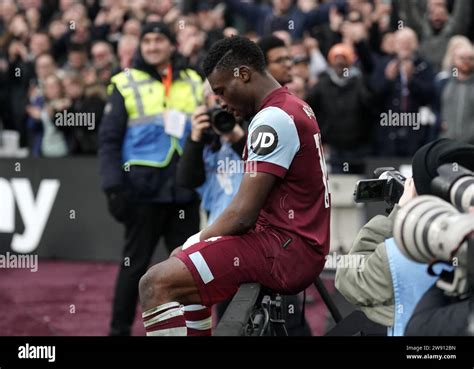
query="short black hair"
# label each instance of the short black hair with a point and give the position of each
(268, 43)
(232, 52)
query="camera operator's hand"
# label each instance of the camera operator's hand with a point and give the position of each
(200, 121)
(409, 192)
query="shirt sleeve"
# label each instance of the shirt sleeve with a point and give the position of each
(272, 142)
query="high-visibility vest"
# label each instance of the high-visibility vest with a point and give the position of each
(146, 142)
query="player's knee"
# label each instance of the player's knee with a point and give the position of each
(153, 286)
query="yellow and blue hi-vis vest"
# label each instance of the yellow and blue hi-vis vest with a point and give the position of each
(146, 143)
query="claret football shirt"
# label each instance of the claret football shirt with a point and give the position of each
(284, 140)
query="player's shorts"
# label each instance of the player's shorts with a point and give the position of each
(278, 260)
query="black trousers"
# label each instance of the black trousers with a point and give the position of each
(146, 225)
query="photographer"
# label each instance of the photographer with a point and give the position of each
(372, 288)
(439, 315)
(206, 154)
(446, 309)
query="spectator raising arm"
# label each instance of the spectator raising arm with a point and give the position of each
(458, 23)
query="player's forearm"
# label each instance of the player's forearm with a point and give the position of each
(232, 221)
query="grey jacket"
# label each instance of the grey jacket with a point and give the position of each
(457, 104)
(370, 287)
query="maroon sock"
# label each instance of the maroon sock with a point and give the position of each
(198, 320)
(165, 320)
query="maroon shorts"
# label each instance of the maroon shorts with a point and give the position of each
(278, 260)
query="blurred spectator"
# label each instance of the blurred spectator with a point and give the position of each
(308, 62)
(77, 59)
(8, 9)
(127, 47)
(342, 103)
(448, 61)
(19, 75)
(5, 111)
(435, 29)
(403, 85)
(211, 21)
(277, 58)
(457, 99)
(48, 140)
(83, 140)
(443, 77)
(103, 60)
(131, 27)
(191, 40)
(44, 67)
(97, 39)
(297, 87)
(282, 15)
(39, 43)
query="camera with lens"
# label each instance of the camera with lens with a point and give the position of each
(455, 184)
(222, 122)
(387, 186)
(430, 230)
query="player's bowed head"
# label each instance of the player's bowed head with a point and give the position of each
(235, 68)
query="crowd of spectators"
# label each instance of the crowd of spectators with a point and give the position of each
(356, 62)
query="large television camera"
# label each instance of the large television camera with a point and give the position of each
(430, 230)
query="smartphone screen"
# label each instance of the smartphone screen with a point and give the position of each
(371, 190)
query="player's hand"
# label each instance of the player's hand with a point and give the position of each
(409, 192)
(195, 238)
(200, 121)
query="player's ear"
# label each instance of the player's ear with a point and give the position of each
(244, 73)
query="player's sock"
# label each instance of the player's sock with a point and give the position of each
(198, 320)
(165, 320)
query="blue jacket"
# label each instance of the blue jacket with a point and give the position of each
(224, 172)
